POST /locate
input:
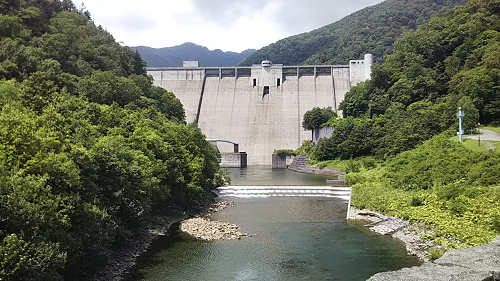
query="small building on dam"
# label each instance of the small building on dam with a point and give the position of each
(259, 107)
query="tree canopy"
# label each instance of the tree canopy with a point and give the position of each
(447, 63)
(89, 148)
(315, 117)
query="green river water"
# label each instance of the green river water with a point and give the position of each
(296, 238)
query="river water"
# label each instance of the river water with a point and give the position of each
(296, 238)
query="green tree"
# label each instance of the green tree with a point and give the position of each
(315, 117)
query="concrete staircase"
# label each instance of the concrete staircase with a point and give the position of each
(300, 165)
(284, 191)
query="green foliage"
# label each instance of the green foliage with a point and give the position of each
(415, 94)
(439, 184)
(436, 253)
(316, 117)
(371, 30)
(285, 151)
(89, 148)
(447, 61)
(351, 138)
(305, 148)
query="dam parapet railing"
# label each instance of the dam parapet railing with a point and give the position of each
(175, 73)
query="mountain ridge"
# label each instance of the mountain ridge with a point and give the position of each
(175, 55)
(370, 30)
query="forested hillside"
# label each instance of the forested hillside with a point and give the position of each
(371, 30)
(404, 119)
(89, 149)
(174, 56)
(451, 61)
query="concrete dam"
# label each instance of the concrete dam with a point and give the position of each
(259, 107)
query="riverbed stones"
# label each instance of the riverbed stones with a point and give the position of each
(203, 227)
(209, 230)
(389, 226)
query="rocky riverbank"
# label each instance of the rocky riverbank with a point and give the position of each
(203, 227)
(410, 234)
(125, 257)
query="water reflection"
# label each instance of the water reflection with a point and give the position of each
(264, 175)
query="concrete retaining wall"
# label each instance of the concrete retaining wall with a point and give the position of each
(234, 160)
(319, 133)
(282, 161)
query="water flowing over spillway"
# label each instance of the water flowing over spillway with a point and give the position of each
(284, 191)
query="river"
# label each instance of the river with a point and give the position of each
(296, 238)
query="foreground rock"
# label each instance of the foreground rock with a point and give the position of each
(471, 264)
(203, 227)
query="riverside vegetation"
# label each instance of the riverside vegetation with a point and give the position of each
(90, 151)
(395, 142)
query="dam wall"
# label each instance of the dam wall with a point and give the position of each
(261, 108)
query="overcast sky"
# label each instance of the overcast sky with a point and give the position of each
(229, 25)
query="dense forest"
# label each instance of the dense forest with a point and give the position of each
(174, 56)
(397, 134)
(370, 30)
(451, 61)
(89, 149)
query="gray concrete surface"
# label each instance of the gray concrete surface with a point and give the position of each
(233, 109)
(471, 264)
(487, 135)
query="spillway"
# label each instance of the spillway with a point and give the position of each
(284, 191)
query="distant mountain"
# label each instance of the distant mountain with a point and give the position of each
(370, 30)
(174, 56)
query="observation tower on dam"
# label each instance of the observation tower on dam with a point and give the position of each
(259, 107)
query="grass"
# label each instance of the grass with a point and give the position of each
(473, 144)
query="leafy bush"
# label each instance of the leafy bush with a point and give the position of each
(453, 199)
(315, 117)
(285, 151)
(436, 253)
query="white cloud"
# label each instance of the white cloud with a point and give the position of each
(230, 25)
